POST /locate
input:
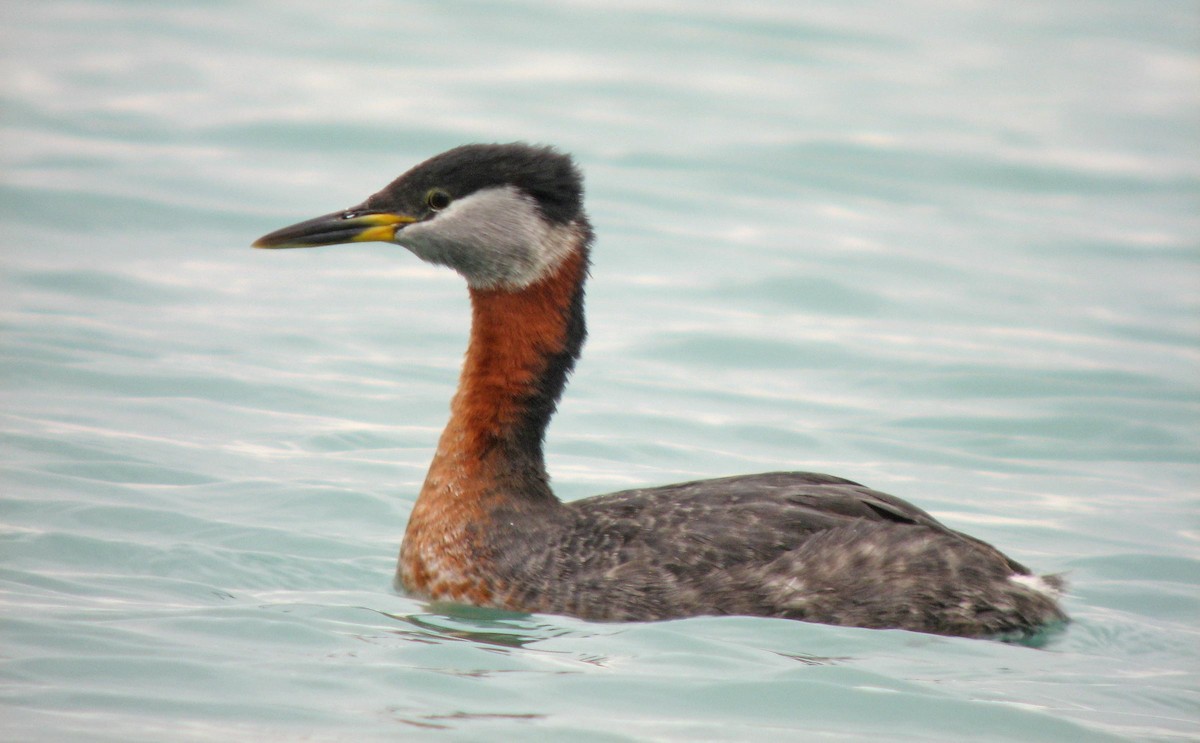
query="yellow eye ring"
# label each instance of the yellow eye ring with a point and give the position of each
(437, 199)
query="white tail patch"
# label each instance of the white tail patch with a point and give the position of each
(1037, 583)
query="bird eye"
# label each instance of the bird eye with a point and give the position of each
(349, 215)
(437, 199)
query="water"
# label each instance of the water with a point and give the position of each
(945, 249)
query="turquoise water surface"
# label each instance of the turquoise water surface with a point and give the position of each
(945, 249)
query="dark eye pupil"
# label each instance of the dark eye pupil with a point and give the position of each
(438, 199)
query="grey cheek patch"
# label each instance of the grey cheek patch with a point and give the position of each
(494, 238)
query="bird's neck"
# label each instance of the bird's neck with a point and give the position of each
(523, 345)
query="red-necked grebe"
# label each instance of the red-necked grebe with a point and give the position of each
(487, 529)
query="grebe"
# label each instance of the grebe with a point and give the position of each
(487, 529)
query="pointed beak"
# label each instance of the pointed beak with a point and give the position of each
(333, 229)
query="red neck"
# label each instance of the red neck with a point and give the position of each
(523, 344)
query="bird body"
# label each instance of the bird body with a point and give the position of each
(487, 529)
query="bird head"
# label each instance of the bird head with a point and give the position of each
(502, 215)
